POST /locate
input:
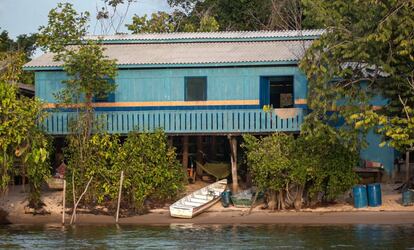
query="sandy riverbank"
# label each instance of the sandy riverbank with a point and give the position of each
(232, 217)
(391, 212)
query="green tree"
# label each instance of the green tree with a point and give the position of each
(367, 51)
(163, 22)
(89, 75)
(87, 68)
(20, 136)
(24, 46)
(245, 14)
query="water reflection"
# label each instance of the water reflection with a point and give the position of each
(192, 236)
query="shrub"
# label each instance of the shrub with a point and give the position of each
(310, 165)
(151, 169)
(270, 163)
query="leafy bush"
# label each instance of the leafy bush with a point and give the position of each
(151, 170)
(270, 162)
(327, 164)
(310, 165)
(20, 136)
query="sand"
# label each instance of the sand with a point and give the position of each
(391, 212)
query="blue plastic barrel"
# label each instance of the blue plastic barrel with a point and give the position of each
(408, 197)
(374, 195)
(360, 196)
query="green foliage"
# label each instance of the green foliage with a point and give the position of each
(269, 160)
(160, 22)
(367, 50)
(36, 161)
(246, 15)
(163, 22)
(328, 161)
(398, 132)
(151, 170)
(88, 70)
(23, 46)
(19, 134)
(65, 26)
(86, 65)
(94, 157)
(320, 162)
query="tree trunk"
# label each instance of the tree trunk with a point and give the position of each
(298, 199)
(281, 200)
(272, 200)
(233, 157)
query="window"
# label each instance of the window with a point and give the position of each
(110, 97)
(277, 91)
(196, 88)
(105, 98)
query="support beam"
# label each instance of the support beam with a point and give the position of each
(185, 153)
(200, 149)
(213, 148)
(233, 157)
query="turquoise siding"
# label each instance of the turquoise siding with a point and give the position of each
(374, 152)
(160, 85)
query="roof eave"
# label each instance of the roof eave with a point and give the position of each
(177, 65)
(206, 40)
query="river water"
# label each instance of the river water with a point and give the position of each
(188, 236)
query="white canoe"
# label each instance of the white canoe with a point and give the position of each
(200, 200)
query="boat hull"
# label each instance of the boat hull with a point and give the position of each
(199, 201)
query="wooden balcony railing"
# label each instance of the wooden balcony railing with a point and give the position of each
(226, 121)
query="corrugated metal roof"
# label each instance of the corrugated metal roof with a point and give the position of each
(195, 53)
(200, 36)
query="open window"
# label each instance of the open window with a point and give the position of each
(196, 88)
(277, 91)
(110, 97)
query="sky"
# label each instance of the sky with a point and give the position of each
(25, 16)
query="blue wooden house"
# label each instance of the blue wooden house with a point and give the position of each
(199, 87)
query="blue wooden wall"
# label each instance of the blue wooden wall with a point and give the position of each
(161, 85)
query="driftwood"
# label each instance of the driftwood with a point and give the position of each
(73, 218)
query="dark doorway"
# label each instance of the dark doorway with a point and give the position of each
(277, 91)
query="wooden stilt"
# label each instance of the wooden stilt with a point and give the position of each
(199, 155)
(185, 153)
(213, 148)
(233, 157)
